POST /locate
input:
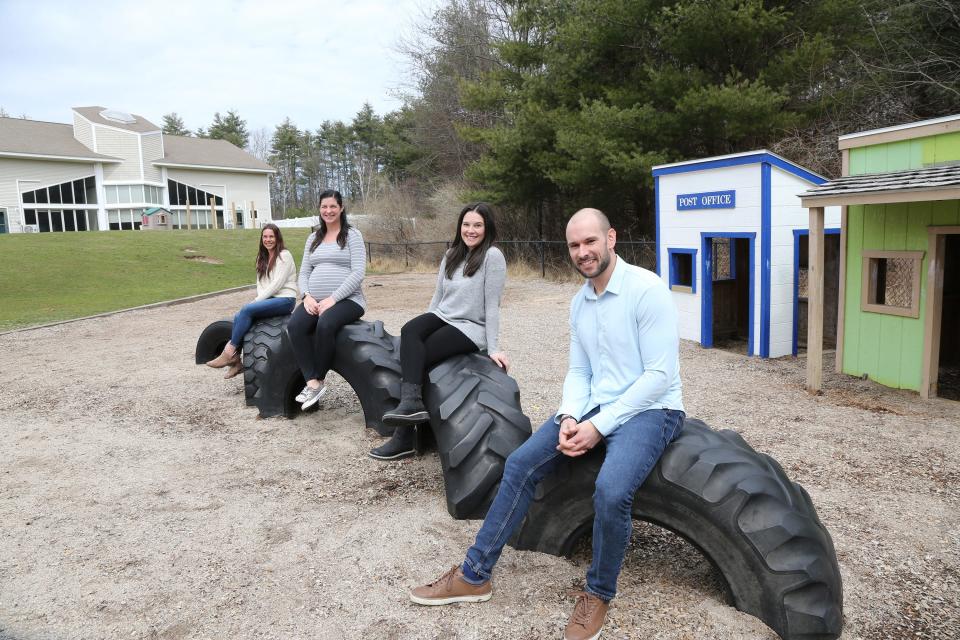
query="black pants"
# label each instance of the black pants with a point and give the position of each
(314, 337)
(427, 340)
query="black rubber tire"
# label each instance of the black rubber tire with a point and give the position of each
(737, 506)
(264, 337)
(366, 356)
(477, 422)
(212, 340)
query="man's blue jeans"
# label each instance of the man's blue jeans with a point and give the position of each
(633, 449)
(256, 310)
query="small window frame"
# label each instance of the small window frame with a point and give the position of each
(868, 293)
(673, 255)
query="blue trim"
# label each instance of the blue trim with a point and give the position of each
(766, 215)
(796, 279)
(706, 288)
(656, 214)
(693, 268)
(752, 158)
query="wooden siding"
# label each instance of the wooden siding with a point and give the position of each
(889, 349)
(905, 154)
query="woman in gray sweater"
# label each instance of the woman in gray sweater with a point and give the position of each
(463, 317)
(334, 263)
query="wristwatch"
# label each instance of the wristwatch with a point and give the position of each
(564, 416)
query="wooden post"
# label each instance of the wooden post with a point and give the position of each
(189, 225)
(213, 212)
(815, 302)
(233, 211)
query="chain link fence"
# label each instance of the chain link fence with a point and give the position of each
(542, 255)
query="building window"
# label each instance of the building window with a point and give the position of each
(182, 194)
(80, 191)
(683, 270)
(891, 282)
(723, 259)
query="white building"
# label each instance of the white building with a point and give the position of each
(732, 246)
(105, 169)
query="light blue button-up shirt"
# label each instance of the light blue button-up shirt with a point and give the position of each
(624, 349)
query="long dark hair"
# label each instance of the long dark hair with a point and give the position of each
(344, 225)
(458, 251)
(266, 262)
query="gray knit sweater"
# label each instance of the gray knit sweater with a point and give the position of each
(472, 304)
(332, 271)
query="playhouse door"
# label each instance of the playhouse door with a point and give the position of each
(727, 294)
(948, 378)
(831, 290)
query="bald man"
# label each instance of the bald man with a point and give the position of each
(622, 386)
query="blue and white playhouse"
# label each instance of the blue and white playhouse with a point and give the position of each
(732, 246)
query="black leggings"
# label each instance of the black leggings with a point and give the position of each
(427, 340)
(314, 337)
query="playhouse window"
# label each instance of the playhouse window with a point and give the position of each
(683, 273)
(723, 259)
(891, 282)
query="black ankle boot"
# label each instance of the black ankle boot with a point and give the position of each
(410, 411)
(400, 446)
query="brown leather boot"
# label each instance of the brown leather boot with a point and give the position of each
(236, 368)
(227, 356)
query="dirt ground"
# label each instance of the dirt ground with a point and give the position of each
(140, 498)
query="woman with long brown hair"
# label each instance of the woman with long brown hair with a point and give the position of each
(463, 317)
(331, 278)
(276, 295)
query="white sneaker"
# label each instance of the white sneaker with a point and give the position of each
(312, 396)
(302, 395)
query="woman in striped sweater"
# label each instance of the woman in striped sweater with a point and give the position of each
(276, 295)
(331, 274)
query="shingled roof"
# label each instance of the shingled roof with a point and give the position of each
(50, 140)
(930, 183)
(182, 151)
(139, 124)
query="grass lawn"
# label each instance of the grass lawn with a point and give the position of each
(45, 277)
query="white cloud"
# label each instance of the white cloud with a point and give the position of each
(311, 61)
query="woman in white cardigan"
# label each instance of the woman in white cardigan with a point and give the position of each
(276, 295)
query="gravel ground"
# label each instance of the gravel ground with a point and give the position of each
(140, 498)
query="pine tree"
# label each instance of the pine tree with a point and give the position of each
(230, 128)
(173, 125)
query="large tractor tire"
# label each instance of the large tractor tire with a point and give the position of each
(263, 338)
(737, 506)
(366, 356)
(477, 422)
(212, 340)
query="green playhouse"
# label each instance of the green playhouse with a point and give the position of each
(899, 314)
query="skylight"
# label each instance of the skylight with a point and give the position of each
(117, 116)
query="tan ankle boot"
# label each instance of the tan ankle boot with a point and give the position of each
(236, 368)
(226, 357)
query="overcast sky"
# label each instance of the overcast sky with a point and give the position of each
(309, 60)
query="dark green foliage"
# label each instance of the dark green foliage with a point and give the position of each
(173, 125)
(571, 102)
(230, 128)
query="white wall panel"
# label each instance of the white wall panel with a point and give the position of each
(152, 147)
(122, 145)
(83, 131)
